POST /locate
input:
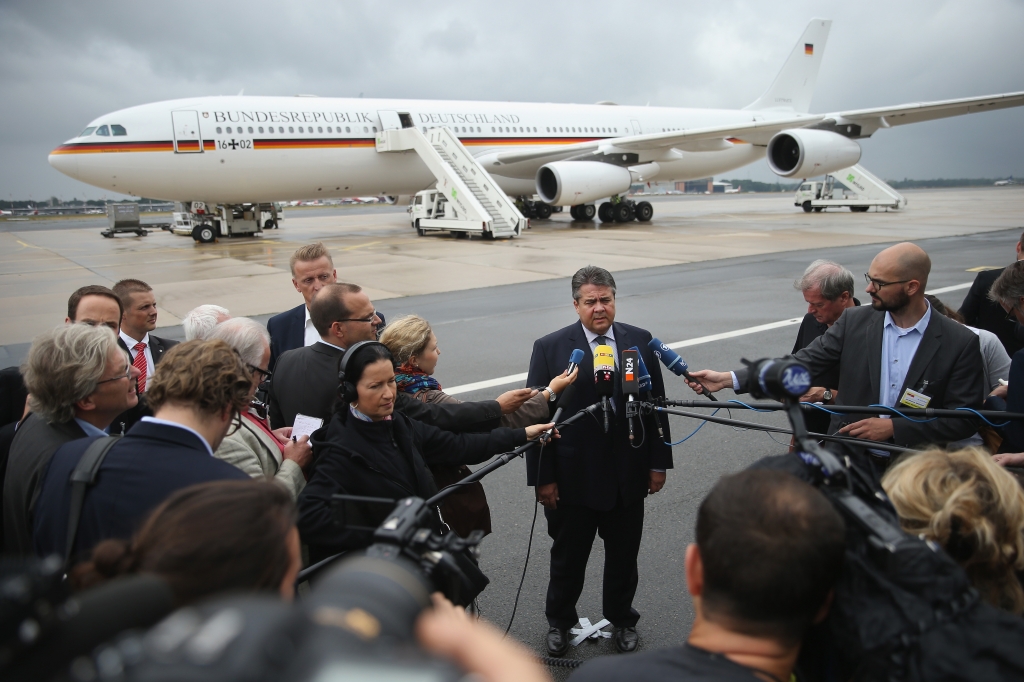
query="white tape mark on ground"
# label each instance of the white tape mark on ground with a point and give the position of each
(518, 378)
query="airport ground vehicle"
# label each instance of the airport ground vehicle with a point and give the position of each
(859, 191)
(194, 219)
(124, 217)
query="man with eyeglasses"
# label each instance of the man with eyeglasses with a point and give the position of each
(312, 269)
(894, 353)
(306, 379)
(197, 395)
(79, 380)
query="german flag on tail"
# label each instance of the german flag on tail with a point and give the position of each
(808, 48)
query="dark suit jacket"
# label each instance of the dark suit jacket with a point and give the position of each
(306, 382)
(287, 332)
(12, 395)
(138, 473)
(949, 358)
(33, 446)
(127, 419)
(592, 468)
(979, 311)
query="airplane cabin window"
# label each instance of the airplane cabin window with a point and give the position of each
(218, 130)
(319, 129)
(328, 128)
(87, 131)
(300, 129)
(103, 130)
(291, 129)
(374, 128)
(365, 129)
(118, 130)
(348, 129)
(250, 130)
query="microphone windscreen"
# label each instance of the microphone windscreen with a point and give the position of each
(668, 357)
(645, 376)
(604, 358)
(576, 357)
(630, 372)
(101, 613)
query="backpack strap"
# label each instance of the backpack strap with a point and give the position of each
(82, 478)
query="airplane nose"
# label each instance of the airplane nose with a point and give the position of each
(64, 162)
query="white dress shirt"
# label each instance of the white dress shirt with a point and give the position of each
(130, 342)
(309, 335)
(609, 335)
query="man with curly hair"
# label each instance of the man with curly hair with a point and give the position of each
(197, 395)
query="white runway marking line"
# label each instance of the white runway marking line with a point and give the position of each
(519, 378)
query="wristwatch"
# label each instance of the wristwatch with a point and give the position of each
(552, 396)
(827, 395)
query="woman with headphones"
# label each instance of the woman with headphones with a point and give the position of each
(370, 450)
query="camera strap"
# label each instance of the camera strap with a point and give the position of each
(82, 478)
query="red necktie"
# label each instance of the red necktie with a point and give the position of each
(140, 364)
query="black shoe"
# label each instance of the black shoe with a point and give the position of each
(558, 641)
(626, 639)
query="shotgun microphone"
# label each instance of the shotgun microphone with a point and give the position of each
(604, 379)
(676, 365)
(630, 384)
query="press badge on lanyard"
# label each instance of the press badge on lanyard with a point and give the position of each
(912, 398)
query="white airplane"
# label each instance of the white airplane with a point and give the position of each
(229, 151)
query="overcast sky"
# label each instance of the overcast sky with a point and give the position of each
(64, 63)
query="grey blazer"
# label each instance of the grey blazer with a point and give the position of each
(949, 358)
(253, 451)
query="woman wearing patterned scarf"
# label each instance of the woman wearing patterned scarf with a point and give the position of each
(414, 346)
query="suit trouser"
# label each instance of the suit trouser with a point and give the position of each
(572, 527)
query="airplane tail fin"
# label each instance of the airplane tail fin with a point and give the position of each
(793, 88)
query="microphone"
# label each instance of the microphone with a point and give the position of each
(676, 365)
(574, 360)
(604, 378)
(563, 400)
(630, 383)
(643, 376)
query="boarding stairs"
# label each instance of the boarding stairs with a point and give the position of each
(870, 189)
(479, 204)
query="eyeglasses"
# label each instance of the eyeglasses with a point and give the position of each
(264, 373)
(236, 423)
(879, 283)
(127, 375)
(1010, 316)
(368, 320)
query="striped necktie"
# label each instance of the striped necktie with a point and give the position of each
(140, 364)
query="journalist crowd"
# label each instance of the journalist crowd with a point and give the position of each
(213, 464)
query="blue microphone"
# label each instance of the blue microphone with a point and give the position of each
(574, 360)
(676, 364)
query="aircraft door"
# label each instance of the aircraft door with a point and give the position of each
(389, 120)
(636, 127)
(187, 139)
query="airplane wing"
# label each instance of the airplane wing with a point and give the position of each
(695, 139)
(886, 117)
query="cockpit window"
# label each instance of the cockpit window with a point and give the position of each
(103, 130)
(118, 130)
(87, 131)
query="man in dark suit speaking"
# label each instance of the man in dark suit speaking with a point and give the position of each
(590, 481)
(898, 352)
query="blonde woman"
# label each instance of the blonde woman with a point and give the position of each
(414, 346)
(971, 506)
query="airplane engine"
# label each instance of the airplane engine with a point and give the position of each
(568, 183)
(805, 153)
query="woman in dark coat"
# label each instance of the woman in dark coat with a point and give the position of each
(370, 451)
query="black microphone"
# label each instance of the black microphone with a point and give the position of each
(630, 383)
(92, 618)
(676, 365)
(604, 378)
(563, 400)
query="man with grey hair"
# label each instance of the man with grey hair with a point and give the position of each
(828, 289)
(1007, 291)
(255, 448)
(200, 321)
(79, 380)
(591, 481)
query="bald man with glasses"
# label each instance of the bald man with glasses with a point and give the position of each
(896, 353)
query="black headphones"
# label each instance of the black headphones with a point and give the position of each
(346, 389)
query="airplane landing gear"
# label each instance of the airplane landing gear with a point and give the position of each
(534, 209)
(583, 212)
(625, 210)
